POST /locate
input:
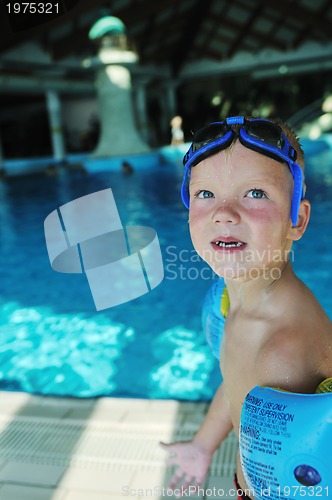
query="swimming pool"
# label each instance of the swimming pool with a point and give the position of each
(52, 339)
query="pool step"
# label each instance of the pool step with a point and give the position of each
(98, 449)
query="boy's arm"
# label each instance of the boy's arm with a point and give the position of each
(216, 425)
(193, 458)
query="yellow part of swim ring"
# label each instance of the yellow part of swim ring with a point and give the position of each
(224, 303)
(325, 386)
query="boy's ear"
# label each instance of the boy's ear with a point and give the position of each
(296, 232)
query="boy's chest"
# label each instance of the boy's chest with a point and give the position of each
(240, 348)
(242, 341)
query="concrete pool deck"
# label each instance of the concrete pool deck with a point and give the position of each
(99, 449)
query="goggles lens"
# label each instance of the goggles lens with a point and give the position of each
(266, 132)
(209, 134)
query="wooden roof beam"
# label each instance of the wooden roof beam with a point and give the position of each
(245, 29)
(194, 22)
(299, 13)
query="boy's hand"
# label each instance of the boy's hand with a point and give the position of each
(192, 463)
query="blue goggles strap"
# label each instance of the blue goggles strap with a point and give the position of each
(283, 152)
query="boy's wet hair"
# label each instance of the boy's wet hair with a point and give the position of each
(295, 142)
(293, 139)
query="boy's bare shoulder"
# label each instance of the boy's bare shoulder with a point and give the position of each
(297, 356)
(281, 360)
(297, 352)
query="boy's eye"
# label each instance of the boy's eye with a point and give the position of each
(257, 194)
(204, 194)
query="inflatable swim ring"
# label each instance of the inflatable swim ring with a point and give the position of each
(214, 313)
(285, 441)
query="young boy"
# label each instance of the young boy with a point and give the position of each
(244, 187)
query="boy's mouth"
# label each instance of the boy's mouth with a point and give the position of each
(228, 243)
(231, 244)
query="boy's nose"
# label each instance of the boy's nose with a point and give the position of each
(226, 213)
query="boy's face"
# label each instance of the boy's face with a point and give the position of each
(240, 212)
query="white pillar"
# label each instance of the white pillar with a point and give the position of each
(168, 104)
(118, 134)
(171, 99)
(54, 114)
(141, 111)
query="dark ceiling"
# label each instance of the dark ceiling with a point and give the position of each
(175, 32)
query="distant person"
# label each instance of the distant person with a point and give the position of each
(127, 169)
(76, 167)
(51, 170)
(176, 131)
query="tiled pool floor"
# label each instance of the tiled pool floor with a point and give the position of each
(98, 449)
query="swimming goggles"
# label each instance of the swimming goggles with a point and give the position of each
(257, 134)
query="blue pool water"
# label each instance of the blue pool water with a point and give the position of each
(53, 341)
